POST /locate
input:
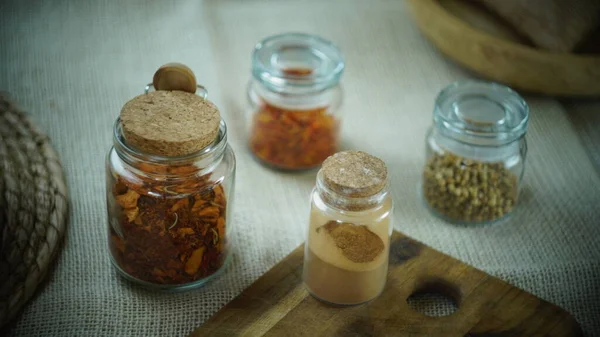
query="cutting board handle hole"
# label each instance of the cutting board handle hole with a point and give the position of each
(434, 299)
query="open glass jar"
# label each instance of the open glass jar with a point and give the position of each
(295, 96)
(348, 242)
(168, 215)
(475, 152)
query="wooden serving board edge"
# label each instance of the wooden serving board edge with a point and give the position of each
(277, 302)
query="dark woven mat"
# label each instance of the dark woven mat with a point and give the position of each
(33, 208)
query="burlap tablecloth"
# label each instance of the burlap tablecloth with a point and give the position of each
(73, 64)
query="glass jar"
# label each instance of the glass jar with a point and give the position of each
(347, 246)
(475, 153)
(168, 216)
(295, 97)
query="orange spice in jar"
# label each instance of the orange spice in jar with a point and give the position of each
(170, 175)
(295, 97)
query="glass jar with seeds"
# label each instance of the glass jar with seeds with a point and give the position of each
(476, 152)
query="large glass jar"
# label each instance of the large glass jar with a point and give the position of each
(347, 246)
(475, 152)
(295, 96)
(169, 216)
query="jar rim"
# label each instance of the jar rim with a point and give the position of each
(480, 112)
(128, 151)
(273, 55)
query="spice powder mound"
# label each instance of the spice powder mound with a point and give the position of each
(293, 139)
(168, 234)
(358, 243)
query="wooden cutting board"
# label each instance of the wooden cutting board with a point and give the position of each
(277, 304)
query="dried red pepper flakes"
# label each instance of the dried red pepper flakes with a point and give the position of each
(167, 223)
(297, 71)
(293, 139)
(174, 239)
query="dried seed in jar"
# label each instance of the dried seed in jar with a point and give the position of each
(468, 191)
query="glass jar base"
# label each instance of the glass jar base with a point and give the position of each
(169, 287)
(340, 304)
(466, 223)
(460, 222)
(282, 168)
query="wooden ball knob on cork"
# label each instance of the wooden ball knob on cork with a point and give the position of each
(173, 120)
(174, 76)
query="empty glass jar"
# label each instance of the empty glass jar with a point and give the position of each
(295, 96)
(475, 152)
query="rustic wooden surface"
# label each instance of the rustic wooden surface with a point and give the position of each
(499, 59)
(277, 304)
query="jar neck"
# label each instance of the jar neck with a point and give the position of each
(440, 141)
(349, 204)
(297, 62)
(197, 163)
(259, 93)
(481, 113)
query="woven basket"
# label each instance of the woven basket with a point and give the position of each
(33, 208)
(501, 59)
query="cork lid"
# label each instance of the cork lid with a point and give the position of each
(354, 174)
(171, 121)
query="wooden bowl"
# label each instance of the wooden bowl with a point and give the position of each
(505, 60)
